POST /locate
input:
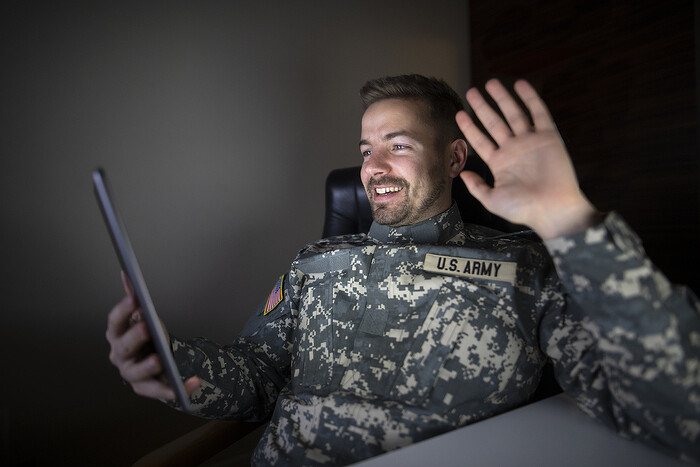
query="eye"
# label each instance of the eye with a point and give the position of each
(399, 147)
(366, 153)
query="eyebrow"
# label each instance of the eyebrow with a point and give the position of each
(389, 136)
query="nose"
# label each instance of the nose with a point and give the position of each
(376, 164)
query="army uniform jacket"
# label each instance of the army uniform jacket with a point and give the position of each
(385, 339)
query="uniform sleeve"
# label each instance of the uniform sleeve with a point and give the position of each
(627, 344)
(242, 380)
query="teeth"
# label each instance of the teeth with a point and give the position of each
(392, 189)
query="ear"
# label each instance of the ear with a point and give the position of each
(458, 157)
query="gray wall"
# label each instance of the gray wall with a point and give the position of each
(217, 122)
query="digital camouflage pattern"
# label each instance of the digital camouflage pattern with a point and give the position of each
(389, 338)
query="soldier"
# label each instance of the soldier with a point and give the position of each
(374, 341)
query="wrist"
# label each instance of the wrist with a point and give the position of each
(568, 220)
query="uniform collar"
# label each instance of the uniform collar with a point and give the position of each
(436, 230)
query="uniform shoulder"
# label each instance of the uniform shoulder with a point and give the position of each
(327, 245)
(474, 232)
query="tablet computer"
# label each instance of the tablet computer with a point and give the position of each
(130, 266)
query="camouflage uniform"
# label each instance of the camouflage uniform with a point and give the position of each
(385, 339)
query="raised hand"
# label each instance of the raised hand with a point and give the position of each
(534, 179)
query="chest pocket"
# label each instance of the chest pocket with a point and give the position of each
(430, 345)
(405, 361)
(401, 359)
(312, 356)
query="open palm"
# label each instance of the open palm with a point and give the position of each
(534, 179)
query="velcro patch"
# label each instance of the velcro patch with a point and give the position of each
(502, 271)
(276, 296)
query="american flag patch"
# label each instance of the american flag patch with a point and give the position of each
(276, 296)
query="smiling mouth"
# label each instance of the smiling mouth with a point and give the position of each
(385, 190)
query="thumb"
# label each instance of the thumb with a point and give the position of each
(126, 283)
(476, 185)
(192, 384)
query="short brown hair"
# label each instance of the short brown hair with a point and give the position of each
(442, 101)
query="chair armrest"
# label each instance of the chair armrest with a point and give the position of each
(198, 445)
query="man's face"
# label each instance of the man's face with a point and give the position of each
(405, 175)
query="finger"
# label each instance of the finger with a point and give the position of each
(154, 389)
(159, 390)
(128, 288)
(128, 346)
(192, 384)
(488, 117)
(118, 318)
(476, 185)
(475, 137)
(534, 103)
(514, 115)
(136, 317)
(136, 371)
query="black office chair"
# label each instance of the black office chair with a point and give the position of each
(347, 212)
